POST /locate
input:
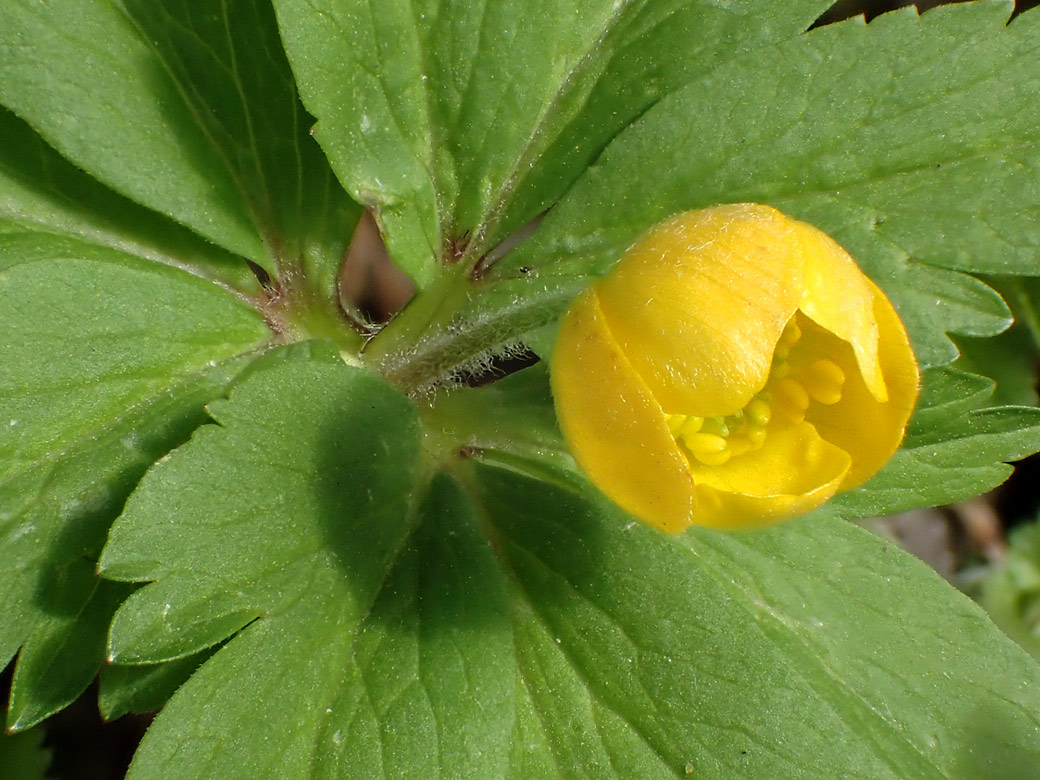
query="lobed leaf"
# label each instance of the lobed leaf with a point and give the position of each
(840, 128)
(228, 61)
(87, 338)
(355, 592)
(81, 75)
(109, 361)
(434, 115)
(64, 650)
(358, 433)
(811, 649)
(143, 688)
(189, 111)
(42, 192)
(695, 37)
(376, 633)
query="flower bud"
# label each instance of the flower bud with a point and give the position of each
(736, 368)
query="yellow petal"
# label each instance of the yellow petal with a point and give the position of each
(795, 472)
(868, 429)
(797, 460)
(839, 298)
(616, 429)
(699, 302)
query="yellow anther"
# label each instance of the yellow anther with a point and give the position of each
(675, 422)
(758, 412)
(791, 335)
(691, 425)
(704, 443)
(824, 381)
(757, 436)
(714, 458)
(791, 397)
(780, 370)
(829, 370)
(709, 449)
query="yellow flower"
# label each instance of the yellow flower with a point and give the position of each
(736, 368)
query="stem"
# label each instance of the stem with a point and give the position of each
(436, 337)
(396, 351)
(299, 312)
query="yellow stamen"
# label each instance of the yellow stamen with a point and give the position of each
(704, 443)
(675, 422)
(791, 335)
(759, 412)
(792, 398)
(824, 381)
(714, 458)
(757, 436)
(691, 425)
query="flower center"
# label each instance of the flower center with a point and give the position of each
(789, 392)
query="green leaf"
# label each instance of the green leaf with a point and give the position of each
(61, 658)
(361, 74)
(579, 644)
(808, 650)
(53, 519)
(146, 688)
(109, 362)
(856, 146)
(320, 450)
(82, 75)
(23, 756)
(189, 111)
(92, 338)
(357, 626)
(301, 533)
(142, 689)
(40, 191)
(660, 47)
(429, 690)
(228, 60)
(433, 115)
